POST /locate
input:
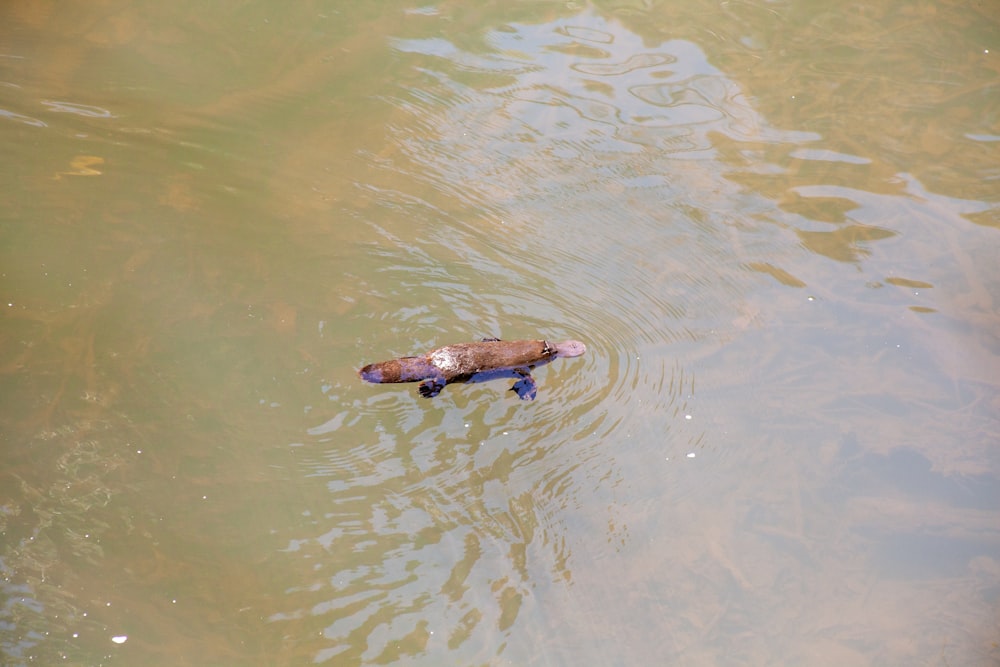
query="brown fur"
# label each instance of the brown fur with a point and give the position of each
(454, 363)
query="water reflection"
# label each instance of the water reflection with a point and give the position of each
(440, 522)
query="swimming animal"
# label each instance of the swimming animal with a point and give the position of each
(474, 362)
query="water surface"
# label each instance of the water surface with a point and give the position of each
(774, 225)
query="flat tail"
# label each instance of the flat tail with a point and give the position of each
(406, 369)
(372, 373)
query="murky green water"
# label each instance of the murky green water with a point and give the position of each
(775, 226)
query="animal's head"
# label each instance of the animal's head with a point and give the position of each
(570, 348)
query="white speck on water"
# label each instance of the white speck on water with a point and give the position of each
(466, 426)
(691, 455)
(119, 639)
(505, 432)
(810, 298)
(688, 417)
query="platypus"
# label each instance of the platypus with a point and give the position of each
(474, 362)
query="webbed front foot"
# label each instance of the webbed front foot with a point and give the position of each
(525, 387)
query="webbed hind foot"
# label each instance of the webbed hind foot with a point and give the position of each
(430, 388)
